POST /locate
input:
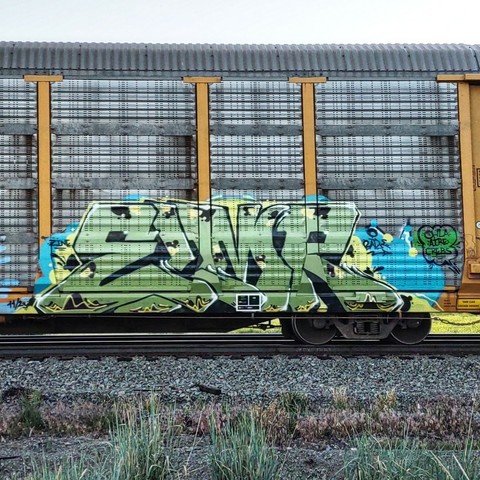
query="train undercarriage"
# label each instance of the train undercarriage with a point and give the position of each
(405, 328)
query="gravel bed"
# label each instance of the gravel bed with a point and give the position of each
(249, 380)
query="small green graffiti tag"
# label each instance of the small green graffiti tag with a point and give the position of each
(439, 245)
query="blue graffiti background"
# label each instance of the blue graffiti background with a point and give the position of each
(399, 262)
(47, 253)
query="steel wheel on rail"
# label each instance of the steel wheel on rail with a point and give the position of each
(412, 328)
(313, 330)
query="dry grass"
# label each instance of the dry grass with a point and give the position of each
(142, 432)
(461, 323)
(290, 416)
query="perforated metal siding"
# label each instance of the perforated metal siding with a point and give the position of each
(18, 184)
(256, 143)
(386, 103)
(408, 172)
(118, 139)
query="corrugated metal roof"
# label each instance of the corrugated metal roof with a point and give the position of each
(235, 61)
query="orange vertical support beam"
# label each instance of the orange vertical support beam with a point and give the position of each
(44, 152)
(203, 132)
(467, 168)
(468, 88)
(309, 134)
(475, 139)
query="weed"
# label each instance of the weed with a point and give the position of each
(80, 418)
(386, 401)
(294, 403)
(240, 450)
(68, 470)
(9, 419)
(405, 459)
(140, 447)
(141, 444)
(277, 425)
(340, 398)
(199, 418)
(30, 414)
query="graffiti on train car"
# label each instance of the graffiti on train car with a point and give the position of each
(17, 303)
(375, 241)
(440, 245)
(161, 256)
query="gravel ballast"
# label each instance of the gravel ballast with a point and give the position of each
(252, 379)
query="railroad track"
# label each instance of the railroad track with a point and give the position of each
(124, 346)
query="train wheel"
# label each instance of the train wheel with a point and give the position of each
(412, 328)
(315, 331)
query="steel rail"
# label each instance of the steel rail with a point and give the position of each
(233, 345)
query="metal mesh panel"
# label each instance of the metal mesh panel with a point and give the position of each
(261, 166)
(117, 162)
(18, 156)
(395, 180)
(256, 144)
(150, 229)
(119, 101)
(18, 221)
(17, 209)
(121, 139)
(376, 157)
(271, 103)
(393, 209)
(388, 102)
(18, 102)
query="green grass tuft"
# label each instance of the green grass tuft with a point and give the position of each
(404, 459)
(140, 447)
(240, 451)
(30, 415)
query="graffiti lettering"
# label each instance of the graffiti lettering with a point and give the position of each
(439, 245)
(376, 243)
(56, 243)
(17, 303)
(174, 255)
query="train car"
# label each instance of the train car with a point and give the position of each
(208, 187)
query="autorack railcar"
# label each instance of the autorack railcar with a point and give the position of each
(207, 187)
